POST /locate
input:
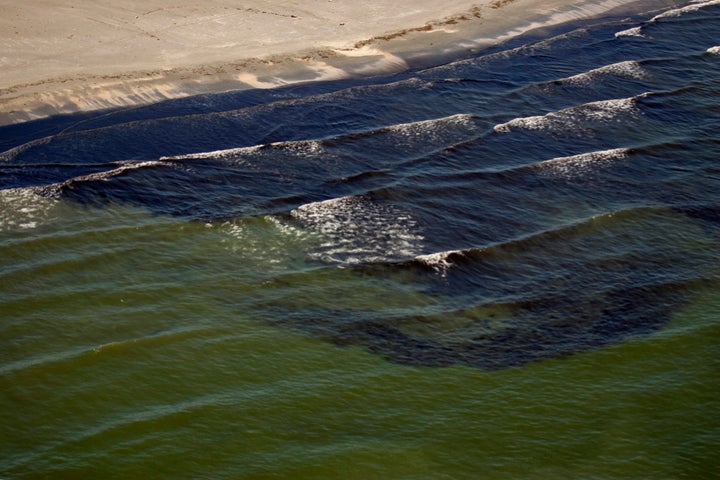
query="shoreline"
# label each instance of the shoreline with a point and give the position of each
(319, 47)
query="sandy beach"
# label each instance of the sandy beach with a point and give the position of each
(58, 58)
(322, 240)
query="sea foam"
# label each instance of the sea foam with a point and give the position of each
(313, 147)
(436, 131)
(693, 7)
(627, 69)
(23, 209)
(122, 167)
(630, 32)
(358, 230)
(672, 13)
(572, 119)
(582, 164)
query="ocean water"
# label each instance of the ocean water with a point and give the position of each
(503, 267)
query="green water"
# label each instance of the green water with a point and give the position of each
(129, 349)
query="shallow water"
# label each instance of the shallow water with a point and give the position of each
(502, 267)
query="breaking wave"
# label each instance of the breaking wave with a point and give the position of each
(574, 119)
(355, 230)
(531, 201)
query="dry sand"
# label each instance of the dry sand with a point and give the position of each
(62, 57)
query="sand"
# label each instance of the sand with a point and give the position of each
(62, 57)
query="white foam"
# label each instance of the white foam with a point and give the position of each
(439, 261)
(627, 69)
(573, 119)
(672, 13)
(311, 148)
(229, 152)
(357, 230)
(270, 242)
(23, 209)
(693, 7)
(630, 32)
(714, 50)
(300, 148)
(13, 153)
(435, 131)
(582, 164)
(428, 126)
(122, 168)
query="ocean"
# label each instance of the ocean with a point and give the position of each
(501, 267)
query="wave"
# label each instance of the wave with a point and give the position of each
(167, 130)
(270, 244)
(600, 224)
(357, 230)
(693, 7)
(215, 154)
(23, 209)
(437, 131)
(54, 190)
(574, 119)
(570, 167)
(236, 156)
(344, 231)
(546, 294)
(47, 360)
(12, 153)
(580, 164)
(575, 165)
(626, 69)
(630, 32)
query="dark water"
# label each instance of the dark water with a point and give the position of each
(555, 195)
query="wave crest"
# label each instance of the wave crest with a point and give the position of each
(570, 119)
(576, 165)
(355, 230)
(23, 209)
(693, 7)
(626, 69)
(630, 32)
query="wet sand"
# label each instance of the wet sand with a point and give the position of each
(92, 55)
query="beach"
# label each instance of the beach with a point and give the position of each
(57, 58)
(470, 241)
